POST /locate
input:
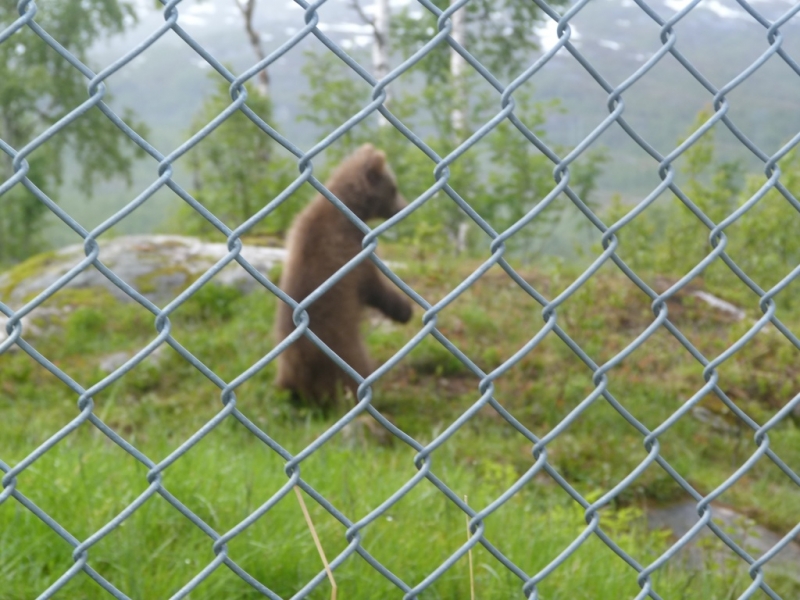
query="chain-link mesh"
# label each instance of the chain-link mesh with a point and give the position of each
(28, 10)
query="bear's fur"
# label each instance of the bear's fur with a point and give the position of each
(321, 240)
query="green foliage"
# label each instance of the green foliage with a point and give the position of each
(157, 550)
(505, 178)
(212, 301)
(334, 97)
(428, 240)
(84, 327)
(85, 480)
(237, 170)
(670, 239)
(500, 34)
(521, 176)
(477, 321)
(37, 88)
(431, 358)
(501, 178)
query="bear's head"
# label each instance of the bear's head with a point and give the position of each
(366, 184)
(385, 199)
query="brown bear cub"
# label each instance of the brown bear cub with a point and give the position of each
(320, 241)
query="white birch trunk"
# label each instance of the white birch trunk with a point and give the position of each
(380, 47)
(379, 21)
(458, 114)
(457, 68)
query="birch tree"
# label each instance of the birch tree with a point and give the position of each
(457, 70)
(37, 88)
(378, 22)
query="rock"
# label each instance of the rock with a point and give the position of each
(112, 362)
(365, 429)
(45, 316)
(754, 538)
(157, 266)
(28, 328)
(722, 305)
(725, 309)
(714, 420)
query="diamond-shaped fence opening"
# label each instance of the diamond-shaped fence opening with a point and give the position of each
(582, 376)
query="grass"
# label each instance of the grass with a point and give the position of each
(86, 480)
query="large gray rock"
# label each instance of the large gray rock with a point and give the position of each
(754, 538)
(157, 266)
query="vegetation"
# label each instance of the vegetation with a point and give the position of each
(85, 480)
(671, 240)
(167, 95)
(236, 170)
(37, 89)
(502, 177)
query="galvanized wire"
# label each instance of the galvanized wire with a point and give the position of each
(709, 367)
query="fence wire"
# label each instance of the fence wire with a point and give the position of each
(28, 10)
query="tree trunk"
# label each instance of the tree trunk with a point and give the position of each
(458, 114)
(379, 22)
(380, 49)
(457, 69)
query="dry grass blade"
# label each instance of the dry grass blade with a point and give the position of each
(313, 530)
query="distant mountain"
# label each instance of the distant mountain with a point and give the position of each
(166, 85)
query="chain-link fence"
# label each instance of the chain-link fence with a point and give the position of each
(539, 465)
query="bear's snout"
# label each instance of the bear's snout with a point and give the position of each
(399, 203)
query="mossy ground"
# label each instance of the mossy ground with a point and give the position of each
(24, 270)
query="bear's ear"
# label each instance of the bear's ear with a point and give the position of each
(376, 163)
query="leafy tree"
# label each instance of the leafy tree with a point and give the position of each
(676, 239)
(764, 242)
(502, 177)
(236, 169)
(37, 88)
(336, 94)
(521, 177)
(499, 33)
(669, 239)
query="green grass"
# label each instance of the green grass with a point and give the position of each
(86, 480)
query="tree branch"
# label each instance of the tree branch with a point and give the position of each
(246, 7)
(356, 6)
